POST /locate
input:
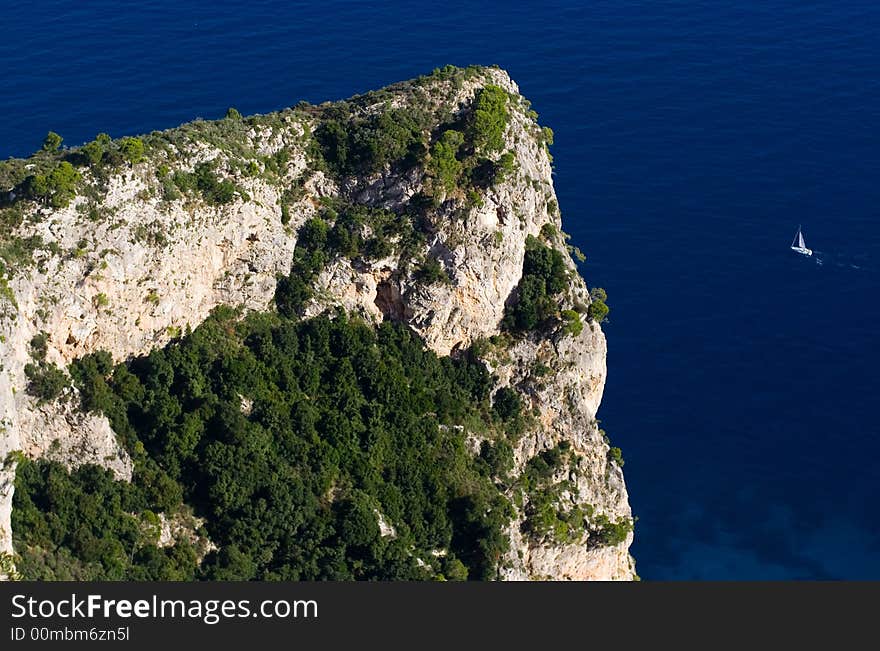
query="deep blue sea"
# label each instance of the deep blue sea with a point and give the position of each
(691, 140)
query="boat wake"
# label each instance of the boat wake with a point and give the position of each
(860, 262)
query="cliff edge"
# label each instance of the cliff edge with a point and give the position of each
(459, 237)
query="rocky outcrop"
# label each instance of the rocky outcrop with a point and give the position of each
(149, 267)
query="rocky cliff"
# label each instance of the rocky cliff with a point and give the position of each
(132, 260)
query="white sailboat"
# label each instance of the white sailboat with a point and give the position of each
(799, 245)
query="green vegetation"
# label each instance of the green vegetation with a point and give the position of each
(309, 257)
(345, 421)
(45, 380)
(486, 173)
(93, 152)
(204, 179)
(615, 455)
(488, 119)
(549, 232)
(503, 167)
(132, 149)
(544, 276)
(363, 144)
(340, 230)
(365, 134)
(573, 324)
(544, 517)
(604, 532)
(498, 456)
(549, 516)
(52, 142)
(597, 311)
(56, 188)
(85, 526)
(39, 345)
(444, 164)
(431, 271)
(508, 404)
(7, 567)
(294, 438)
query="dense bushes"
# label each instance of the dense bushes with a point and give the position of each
(132, 149)
(353, 144)
(507, 403)
(544, 276)
(309, 257)
(488, 119)
(444, 163)
(431, 271)
(56, 187)
(342, 421)
(354, 139)
(204, 179)
(598, 310)
(86, 526)
(45, 380)
(52, 142)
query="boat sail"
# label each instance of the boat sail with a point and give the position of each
(799, 245)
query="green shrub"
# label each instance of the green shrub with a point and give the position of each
(598, 294)
(432, 271)
(498, 456)
(52, 142)
(184, 181)
(444, 164)
(95, 529)
(573, 324)
(544, 276)
(132, 149)
(504, 167)
(352, 144)
(486, 173)
(294, 290)
(488, 119)
(454, 570)
(45, 381)
(597, 311)
(93, 152)
(604, 532)
(615, 455)
(204, 179)
(549, 232)
(39, 346)
(507, 403)
(57, 188)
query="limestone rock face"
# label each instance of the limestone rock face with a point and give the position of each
(149, 268)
